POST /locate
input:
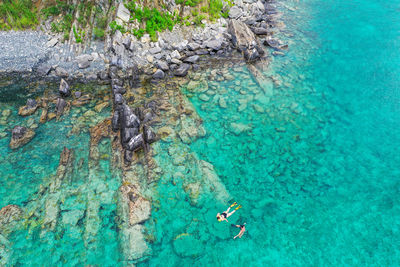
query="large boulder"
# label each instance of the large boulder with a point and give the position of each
(127, 134)
(182, 70)
(135, 143)
(20, 136)
(60, 106)
(159, 74)
(191, 59)
(64, 88)
(244, 40)
(133, 244)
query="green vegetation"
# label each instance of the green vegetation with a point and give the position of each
(153, 20)
(79, 34)
(191, 3)
(60, 7)
(114, 27)
(17, 14)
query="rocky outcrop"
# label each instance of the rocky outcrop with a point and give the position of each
(244, 40)
(64, 89)
(20, 136)
(8, 215)
(30, 108)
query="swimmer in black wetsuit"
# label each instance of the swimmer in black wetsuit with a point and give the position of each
(222, 216)
(242, 230)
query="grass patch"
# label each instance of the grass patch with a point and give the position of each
(17, 14)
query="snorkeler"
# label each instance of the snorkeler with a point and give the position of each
(242, 230)
(222, 217)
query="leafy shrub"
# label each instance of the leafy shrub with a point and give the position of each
(197, 20)
(154, 20)
(114, 27)
(98, 33)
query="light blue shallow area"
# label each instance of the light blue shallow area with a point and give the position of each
(318, 174)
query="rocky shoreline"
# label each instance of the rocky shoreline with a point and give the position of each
(250, 25)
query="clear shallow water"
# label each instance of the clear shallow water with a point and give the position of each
(318, 173)
(316, 168)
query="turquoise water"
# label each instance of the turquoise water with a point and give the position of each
(315, 165)
(317, 171)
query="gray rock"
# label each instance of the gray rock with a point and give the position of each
(31, 103)
(115, 122)
(83, 64)
(202, 52)
(64, 89)
(60, 106)
(78, 94)
(118, 99)
(182, 70)
(155, 50)
(175, 54)
(149, 135)
(162, 65)
(18, 132)
(61, 72)
(43, 69)
(126, 42)
(244, 40)
(127, 134)
(191, 59)
(176, 61)
(52, 42)
(118, 89)
(193, 46)
(159, 74)
(84, 57)
(214, 44)
(123, 13)
(135, 143)
(129, 119)
(235, 12)
(260, 31)
(84, 61)
(20, 136)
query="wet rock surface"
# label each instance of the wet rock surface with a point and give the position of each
(20, 136)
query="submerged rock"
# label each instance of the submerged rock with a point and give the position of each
(9, 214)
(20, 136)
(238, 128)
(64, 89)
(186, 245)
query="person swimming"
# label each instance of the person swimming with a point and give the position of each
(242, 230)
(224, 215)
